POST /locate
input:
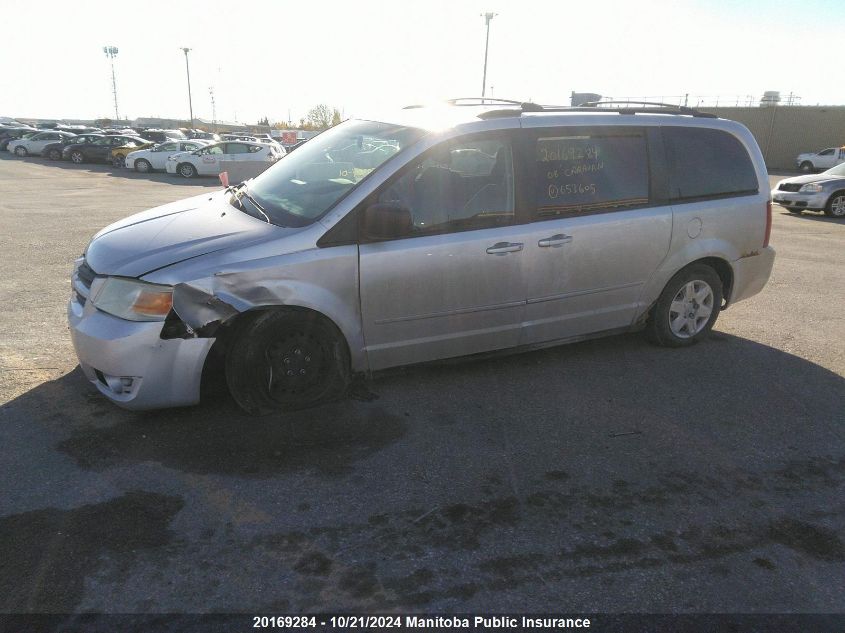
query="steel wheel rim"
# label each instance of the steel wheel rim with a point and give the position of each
(691, 309)
(837, 206)
(295, 367)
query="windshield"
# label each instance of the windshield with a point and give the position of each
(305, 184)
(839, 170)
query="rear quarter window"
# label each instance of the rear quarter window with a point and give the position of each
(586, 171)
(706, 163)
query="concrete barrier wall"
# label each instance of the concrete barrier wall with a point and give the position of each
(243, 169)
(783, 132)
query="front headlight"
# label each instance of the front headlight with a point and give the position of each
(134, 300)
(813, 187)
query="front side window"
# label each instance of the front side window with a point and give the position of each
(306, 184)
(580, 172)
(169, 147)
(826, 152)
(214, 149)
(457, 186)
(706, 162)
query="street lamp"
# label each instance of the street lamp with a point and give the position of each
(213, 109)
(111, 53)
(488, 17)
(188, 70)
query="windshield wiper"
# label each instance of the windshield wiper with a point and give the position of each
(237, 192)
(245, 193)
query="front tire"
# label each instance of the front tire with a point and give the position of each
(186, 170)
(806, 167)
(118, 162)
(20, 150)
(143, 166)
(687, 308)
(835, 207)
(77, 157)
(285, 360)
(55, 154)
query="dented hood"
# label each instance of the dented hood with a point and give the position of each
(173, 233)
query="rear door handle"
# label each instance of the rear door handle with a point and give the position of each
(555, 240)
(500, 248)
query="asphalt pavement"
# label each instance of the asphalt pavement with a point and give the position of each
(604, 476)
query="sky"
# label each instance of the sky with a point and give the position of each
(277, 58)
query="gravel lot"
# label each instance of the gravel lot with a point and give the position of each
(603, 476)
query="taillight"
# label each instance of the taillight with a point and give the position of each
(768, 224)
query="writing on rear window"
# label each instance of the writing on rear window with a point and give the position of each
(589, 173)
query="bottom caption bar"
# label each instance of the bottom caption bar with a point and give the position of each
(237, 623)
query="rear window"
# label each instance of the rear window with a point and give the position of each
(589, 172)
(706, 163)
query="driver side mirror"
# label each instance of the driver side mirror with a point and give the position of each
(386, 220)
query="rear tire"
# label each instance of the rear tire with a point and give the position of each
(806, 167)
(835, 207)
(55, 154)
(77, 157)
(687, 308)
(143, 166)
(186, 170)
(118, 162)
(285, 360)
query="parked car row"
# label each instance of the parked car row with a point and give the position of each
(150, 150)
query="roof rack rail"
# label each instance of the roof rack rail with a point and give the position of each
(651, 104)
(481, 101)
(620, 107)
(630, 107)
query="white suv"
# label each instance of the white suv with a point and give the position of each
(33, 144)
(207, 161)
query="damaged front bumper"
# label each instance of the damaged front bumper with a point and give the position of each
(129, 362)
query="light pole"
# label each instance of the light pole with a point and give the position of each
(213, 109)
(188, 71)
(488, 17)
(111, 53)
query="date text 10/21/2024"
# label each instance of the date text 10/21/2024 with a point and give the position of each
(421, 622)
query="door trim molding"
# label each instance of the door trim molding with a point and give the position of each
(432, 315)
(579, 293)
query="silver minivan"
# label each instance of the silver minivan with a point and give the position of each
(438, 232)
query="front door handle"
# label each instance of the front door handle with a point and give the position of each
(555, 240)
(500, 248)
